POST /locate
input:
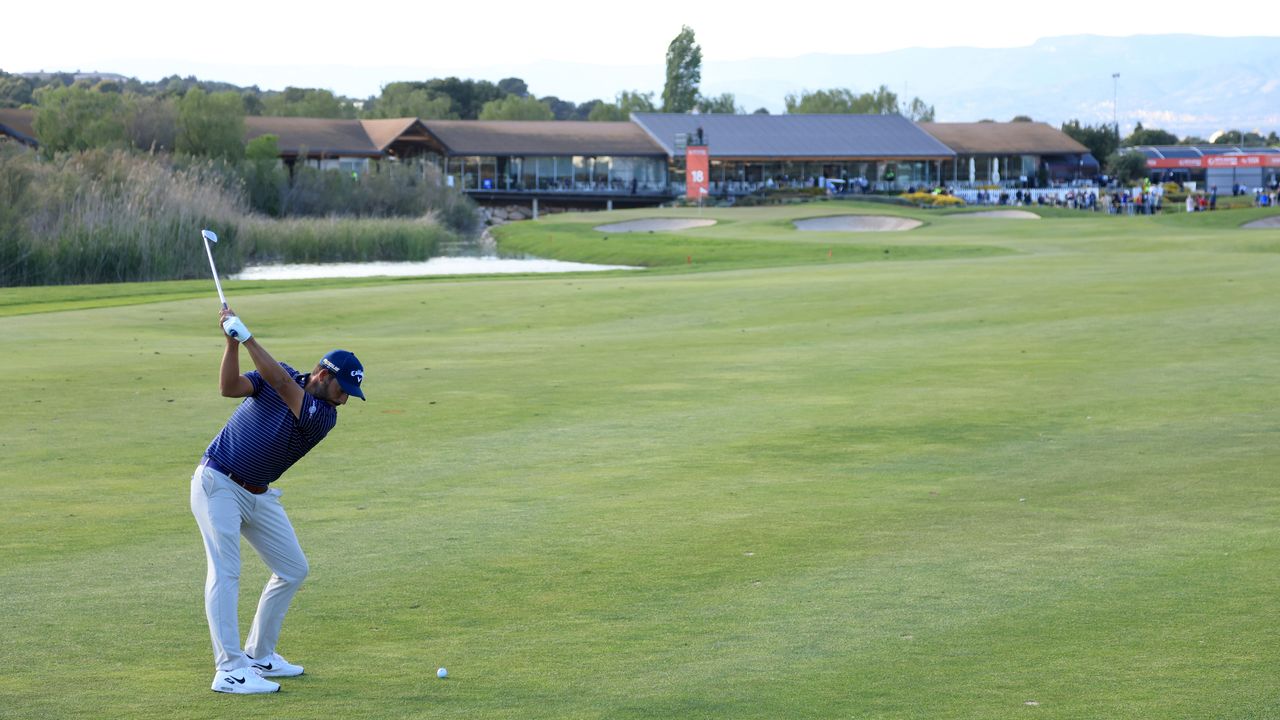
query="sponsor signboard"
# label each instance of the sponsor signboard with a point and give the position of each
(1217, 161)
(697, 171)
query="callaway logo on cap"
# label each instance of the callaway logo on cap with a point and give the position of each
(347, 369)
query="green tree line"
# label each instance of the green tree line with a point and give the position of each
(148, 112)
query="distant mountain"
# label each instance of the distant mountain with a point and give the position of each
(1187, 84)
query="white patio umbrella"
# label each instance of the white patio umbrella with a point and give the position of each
(973, 172)
(995, 171)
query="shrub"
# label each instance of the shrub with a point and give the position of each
(388, 190)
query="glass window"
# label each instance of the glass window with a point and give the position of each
(602, 173)
(563, 172)
(487, 173)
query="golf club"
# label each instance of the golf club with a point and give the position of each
(210, 236)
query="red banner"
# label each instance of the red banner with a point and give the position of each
(697, 171)
(1217, 161)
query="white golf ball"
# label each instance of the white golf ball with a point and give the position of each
(442, 673)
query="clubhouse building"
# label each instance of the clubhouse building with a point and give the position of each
(644, 161)
(647, 160)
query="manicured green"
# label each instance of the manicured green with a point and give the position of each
(1009, 462)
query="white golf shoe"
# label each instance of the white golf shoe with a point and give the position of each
(244, 681)
(275, 666)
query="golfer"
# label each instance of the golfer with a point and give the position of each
(284, 414)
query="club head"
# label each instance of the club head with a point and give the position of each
(209, 235)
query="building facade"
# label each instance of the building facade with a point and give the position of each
(1210, 166)
(642, 161)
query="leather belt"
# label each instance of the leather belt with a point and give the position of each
(217, 467)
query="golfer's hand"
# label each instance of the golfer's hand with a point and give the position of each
(234, 327)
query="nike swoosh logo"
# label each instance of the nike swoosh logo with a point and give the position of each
(236, 679)
(264, 667)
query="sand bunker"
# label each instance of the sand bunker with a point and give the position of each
(1264, 223)
(654, 225)
(857, 223)
(1007, 214)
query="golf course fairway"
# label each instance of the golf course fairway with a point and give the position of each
(977, 469)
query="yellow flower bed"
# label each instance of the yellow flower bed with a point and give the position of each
(924, 198)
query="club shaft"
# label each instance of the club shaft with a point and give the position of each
(216, 282)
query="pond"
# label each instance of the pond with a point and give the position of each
(479, 265)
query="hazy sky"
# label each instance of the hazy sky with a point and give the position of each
(353, 48)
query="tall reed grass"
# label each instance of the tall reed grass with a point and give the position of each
(400, 189)
(113, 216)
(106, 216)
(335, 239)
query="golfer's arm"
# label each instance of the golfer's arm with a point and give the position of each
(275, 375)
(230, 381)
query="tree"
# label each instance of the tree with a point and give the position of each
(1149, 136)
(1127, 167)
(410, 99)
(264, 179)
(836, 100)
(1101, 140)
(466, 97)
(760, 111)
(77, 117)
(151, 123)
(724, 103)
(306, 102)
(881, 101)
(684, 73)
(627, 102)
(917, 111)
(1236, 137)
(211, 125)
(15, 90)
(514, 107)
(252, 100)
(514, 86)
(560, 109)
(584, 110)
(1022, 118)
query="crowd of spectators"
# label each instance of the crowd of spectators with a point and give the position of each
(1084, 198)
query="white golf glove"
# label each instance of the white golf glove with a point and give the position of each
(235, 329)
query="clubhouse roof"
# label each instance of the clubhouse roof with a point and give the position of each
(1011, 138)
(795, 137)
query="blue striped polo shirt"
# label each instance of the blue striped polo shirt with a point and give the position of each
(263, 438)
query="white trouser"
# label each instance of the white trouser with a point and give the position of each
(225, 511)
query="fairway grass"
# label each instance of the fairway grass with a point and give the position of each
(1012, 469)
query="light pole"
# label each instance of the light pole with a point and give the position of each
(1115, 96)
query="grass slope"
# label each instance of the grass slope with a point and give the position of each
(944, 488)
